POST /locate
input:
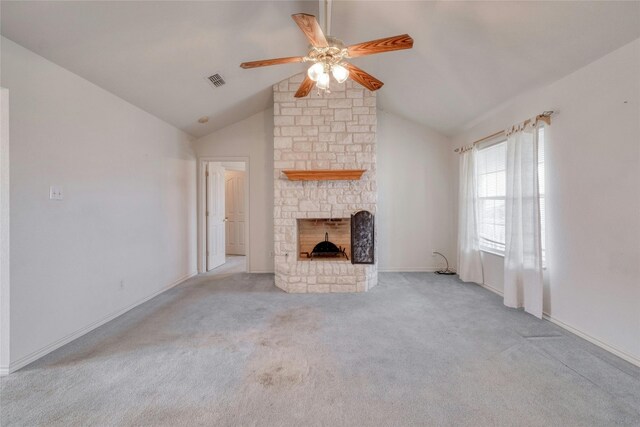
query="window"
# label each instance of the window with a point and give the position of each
(541, 189)
(491, 196)
(492, 183)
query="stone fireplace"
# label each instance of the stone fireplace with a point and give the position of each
(335, 131)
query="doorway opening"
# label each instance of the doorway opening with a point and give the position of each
(224, 212)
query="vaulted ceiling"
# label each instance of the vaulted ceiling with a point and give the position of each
(468, 57)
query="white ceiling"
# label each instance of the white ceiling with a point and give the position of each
(468, 56)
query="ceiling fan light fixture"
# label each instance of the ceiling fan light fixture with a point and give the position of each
(323, 81)
(340, 73)
(315, 71)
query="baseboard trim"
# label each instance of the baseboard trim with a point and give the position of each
(546, 316)
(617, 352)
(492, 289)
(260, 271)
(32, 357)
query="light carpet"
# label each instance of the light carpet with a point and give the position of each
(228, 348)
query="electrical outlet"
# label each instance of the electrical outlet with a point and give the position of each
(56, 192)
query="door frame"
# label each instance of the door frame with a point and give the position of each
(201, 208)
(5, 190)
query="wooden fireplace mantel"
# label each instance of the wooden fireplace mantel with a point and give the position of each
(324, 174)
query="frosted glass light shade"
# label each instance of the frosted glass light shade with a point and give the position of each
(315, 71)
(339, 73)
(323, 81)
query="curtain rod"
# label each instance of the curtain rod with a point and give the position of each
(544, 117)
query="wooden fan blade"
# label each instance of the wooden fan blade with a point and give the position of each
(381, 45)
(310, 27)
(305, 88)
(274, 61)
(364, 78)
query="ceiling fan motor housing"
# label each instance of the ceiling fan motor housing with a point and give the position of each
(332, 54)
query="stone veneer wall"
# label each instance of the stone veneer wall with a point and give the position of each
(327, 131)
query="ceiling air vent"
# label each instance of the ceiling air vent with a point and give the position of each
(216, 80)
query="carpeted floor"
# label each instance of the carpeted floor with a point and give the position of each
(228, 348)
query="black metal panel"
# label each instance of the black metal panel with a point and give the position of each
(327, 249)
(325, 246)
(362, 238)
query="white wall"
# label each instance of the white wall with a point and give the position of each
(415, 196)
(592, 159)
(126, 227)
(252, 138)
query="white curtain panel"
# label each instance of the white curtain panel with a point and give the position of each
(469, 261)
(523, 281)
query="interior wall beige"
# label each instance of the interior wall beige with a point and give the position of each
(416, 196)
(125, 230)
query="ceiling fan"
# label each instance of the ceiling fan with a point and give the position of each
(328, 55)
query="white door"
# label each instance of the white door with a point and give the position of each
(215, 215)
(234, 205)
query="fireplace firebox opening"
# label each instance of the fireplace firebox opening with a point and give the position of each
(324, 239)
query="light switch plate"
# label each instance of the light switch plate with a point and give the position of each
(55, 192)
